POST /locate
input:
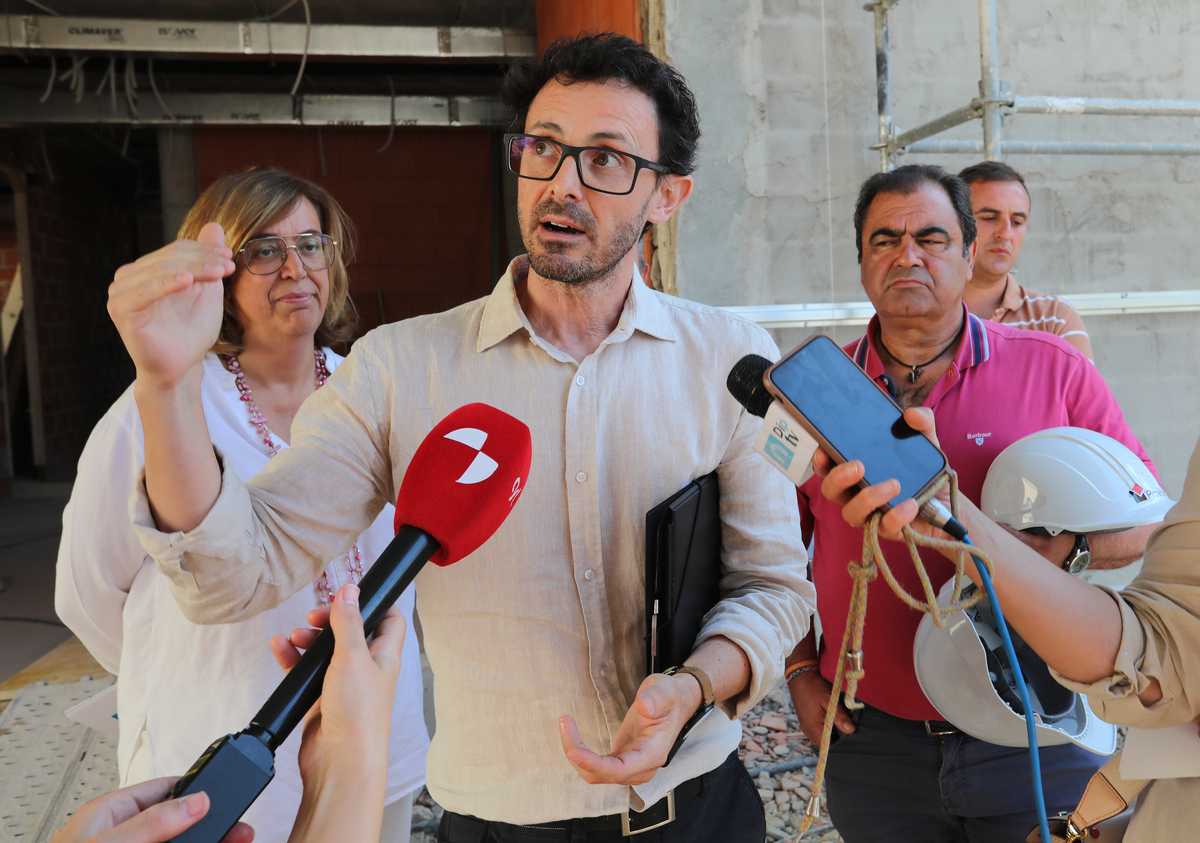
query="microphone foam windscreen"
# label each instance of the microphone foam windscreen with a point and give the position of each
(745, 383)
(465, 478)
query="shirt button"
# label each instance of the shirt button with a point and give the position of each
(604, 670)
(589, 574)
(581, 476)
(579, 381)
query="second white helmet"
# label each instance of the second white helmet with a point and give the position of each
(1073, 479)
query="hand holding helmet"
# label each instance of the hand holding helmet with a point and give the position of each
(1073, 626)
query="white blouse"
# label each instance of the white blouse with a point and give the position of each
(184, 683)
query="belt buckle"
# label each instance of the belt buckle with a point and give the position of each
(1073, 833)
(627, 829)
(929, 730)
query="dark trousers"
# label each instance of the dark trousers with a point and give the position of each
(728, 809)
(891, 781)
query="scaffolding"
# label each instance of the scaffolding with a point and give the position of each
(996, 101)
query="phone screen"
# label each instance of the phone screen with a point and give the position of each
(853, 419)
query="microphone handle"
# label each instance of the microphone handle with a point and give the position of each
(392, 572)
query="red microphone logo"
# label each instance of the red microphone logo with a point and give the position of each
(483, 466)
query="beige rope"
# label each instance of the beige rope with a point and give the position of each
(850, 662)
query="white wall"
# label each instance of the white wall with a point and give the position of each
(787, 98)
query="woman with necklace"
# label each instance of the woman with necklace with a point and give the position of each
(181, 685)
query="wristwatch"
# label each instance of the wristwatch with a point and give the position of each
(1080, 557)
(706, 703)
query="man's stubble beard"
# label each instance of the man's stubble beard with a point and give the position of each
(553, 265)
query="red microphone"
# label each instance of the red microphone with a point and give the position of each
(462, 482)
(470, 471)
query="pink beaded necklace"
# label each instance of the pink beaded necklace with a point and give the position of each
(259, 422)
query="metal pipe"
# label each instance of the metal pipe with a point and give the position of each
(1087, 105)
(938, 124)
(807, 315)
(989, 82)
(181, 109)
(141, 35)
(846, 314)
(967, 147)
(883, 84)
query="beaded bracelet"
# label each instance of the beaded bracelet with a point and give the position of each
(799, 669)
(802, 663)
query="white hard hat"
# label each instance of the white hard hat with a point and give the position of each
(1073, 479)
(964, 672)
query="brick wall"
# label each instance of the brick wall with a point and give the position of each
(422, 207)
(81, 229)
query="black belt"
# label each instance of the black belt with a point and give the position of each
(932, 727)
(628, 823)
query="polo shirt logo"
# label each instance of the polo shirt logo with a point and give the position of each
(978, 437)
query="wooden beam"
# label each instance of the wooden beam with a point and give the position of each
(556, 18)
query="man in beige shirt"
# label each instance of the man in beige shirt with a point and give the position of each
(1001, 204)
(544, 714)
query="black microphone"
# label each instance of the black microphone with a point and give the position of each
(236, 768)
(745, 383)
(781, 437)
(475, 461)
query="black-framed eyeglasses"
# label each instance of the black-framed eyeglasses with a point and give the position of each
(264, 255)
(600, 168)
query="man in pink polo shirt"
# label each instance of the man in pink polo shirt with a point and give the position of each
(897, 772)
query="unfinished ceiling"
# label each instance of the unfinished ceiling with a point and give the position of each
(517, 14)
(322, 62)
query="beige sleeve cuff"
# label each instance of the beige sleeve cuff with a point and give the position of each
(211, 569)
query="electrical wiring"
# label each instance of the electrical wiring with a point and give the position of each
(109, 79)
(75, 76)
(43, 7)
(275, 13)
(50, 82)
(130, 87)
(307, 36)
(955, 529)
(46, 155)
(154, 88)
(392, 120)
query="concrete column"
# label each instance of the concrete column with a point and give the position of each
(177, 177)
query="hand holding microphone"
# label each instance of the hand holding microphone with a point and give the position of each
(342, 751)
(462, 482)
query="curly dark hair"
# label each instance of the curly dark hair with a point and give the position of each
(907, 180)
(599, 58)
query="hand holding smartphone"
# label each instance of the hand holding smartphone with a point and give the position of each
(852, 418)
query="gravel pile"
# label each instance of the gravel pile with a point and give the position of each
(771, 740)
(782, 763)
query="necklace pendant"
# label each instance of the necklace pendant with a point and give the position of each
(915, 374)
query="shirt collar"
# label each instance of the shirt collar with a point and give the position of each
(973, 350)
(1013, 298)
(502, 314)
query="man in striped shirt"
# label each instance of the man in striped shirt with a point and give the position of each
(1001, 205)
